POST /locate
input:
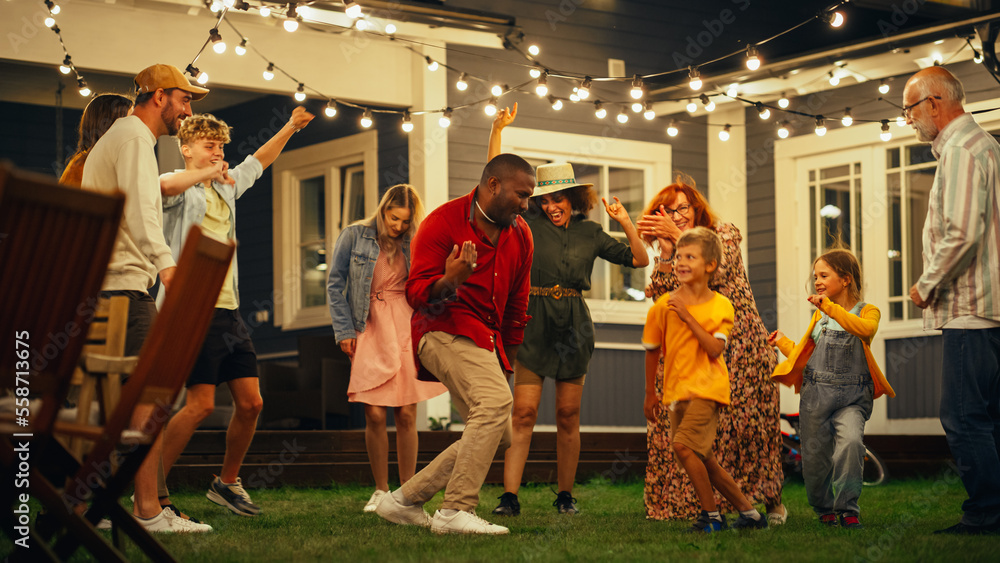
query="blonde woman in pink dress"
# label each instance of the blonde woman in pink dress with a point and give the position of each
(371, 322)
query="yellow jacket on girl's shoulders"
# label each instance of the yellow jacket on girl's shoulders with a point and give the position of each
(864, 327)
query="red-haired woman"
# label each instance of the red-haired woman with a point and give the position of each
(749, 427)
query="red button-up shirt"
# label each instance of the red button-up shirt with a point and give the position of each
(490, 308)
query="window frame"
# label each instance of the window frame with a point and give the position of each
(329, 159)
(654, 159)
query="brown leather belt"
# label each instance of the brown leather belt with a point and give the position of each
(554, 292)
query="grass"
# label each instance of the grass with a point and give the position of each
(327, 524)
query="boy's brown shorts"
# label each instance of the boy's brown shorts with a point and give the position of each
(694, 423)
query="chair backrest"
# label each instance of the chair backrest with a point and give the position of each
(55, 245)
(172, 345)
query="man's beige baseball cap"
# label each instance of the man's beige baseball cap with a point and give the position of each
(166, 76)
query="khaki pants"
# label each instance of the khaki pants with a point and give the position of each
(481, 395)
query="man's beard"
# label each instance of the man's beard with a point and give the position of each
(170, 120)
(926, 132)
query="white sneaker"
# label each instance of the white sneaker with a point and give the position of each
(373, 502)
(103, 524)
(778, 517)
(168, 522)
(464, 523)
(393, 511)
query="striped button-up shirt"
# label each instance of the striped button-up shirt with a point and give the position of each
(961, 238)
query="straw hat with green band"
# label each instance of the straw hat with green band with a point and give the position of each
(555, 177)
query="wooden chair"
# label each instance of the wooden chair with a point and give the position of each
(105, 338)
(164, 364)
(55, 244)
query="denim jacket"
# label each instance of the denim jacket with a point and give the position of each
(349, 286)
(187, 208)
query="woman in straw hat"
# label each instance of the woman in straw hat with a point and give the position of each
(749, 427)
(559, 339)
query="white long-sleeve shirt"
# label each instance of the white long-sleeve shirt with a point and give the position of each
(125, 159)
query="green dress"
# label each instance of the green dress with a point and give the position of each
(559, 338)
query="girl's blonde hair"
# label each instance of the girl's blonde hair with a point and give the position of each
(400, 195)
(843, 261)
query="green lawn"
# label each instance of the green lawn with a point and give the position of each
(328, 525)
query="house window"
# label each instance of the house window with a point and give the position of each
(835, 204)
(909, 175)
(318, 190)
(632, 171)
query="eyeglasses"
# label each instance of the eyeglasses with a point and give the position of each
(682, 210)
(909, 108)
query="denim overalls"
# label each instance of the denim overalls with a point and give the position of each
(835, 401)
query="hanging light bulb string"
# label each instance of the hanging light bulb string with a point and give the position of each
(67, 59)
(208, 41)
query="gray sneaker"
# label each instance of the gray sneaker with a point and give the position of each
(413, 515)
(232, 496)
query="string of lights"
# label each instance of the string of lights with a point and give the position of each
(67, 66)
(539, 73)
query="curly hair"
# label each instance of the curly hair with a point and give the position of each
(703, 214)
(581, 199)
(203, 126)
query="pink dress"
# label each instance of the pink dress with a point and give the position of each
(383, 373)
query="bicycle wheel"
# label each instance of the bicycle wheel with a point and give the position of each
(875, 471)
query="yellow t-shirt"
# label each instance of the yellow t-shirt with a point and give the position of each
(217, 220)
(688, 372)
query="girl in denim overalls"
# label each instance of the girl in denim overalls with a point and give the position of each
(833, 368)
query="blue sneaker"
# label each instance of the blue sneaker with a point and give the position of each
(706, 525)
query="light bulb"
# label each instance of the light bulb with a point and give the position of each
(496, 90)
(535, 71)
(241, 49)
(83, 89)
(692, 107)
(848, 119)
(574, 97)
(557, 104)
(710, 106)
(202, 77)
(291, 24)
(264, 11)
(672, 129)
(432, 65)
(883, 87)
(753, 59)
(599, 110)
(938, 58)
(637, 107)
(218, 45)
(623, 115)
(783, 101)
(66, 66)
(49, 21)
(636, 91)
(901, 121)
(836, 19)
(542, 88)
(648, 112)
(390, 29)
(407, 122)
(300, 93)
(724, 134)
(352, 9)
(491, 107)
(366, 118)
(216, 7)
(54, 8)
(269, 72)
(763, 112)
(584, 90)
(885, 135)
(820, 126)
(331, 108)
(783, 130)
(445, 120)
(533, 50)
(834, 80)
(694, 79)
(462, 84)
(361, 24)
(733, 90)
(977, 57)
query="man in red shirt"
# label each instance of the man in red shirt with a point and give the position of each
(468, 286)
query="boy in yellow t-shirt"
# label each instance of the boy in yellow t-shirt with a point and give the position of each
(690, 325)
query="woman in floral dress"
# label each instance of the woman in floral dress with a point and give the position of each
(749, 427)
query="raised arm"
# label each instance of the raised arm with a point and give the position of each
(273, 147)
(618, 212)
(174, 183)
(504, 118)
